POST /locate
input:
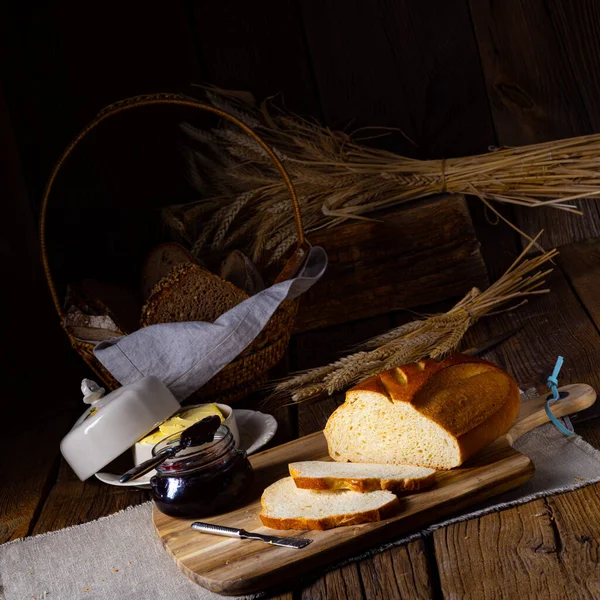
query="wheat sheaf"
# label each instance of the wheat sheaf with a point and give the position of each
(244, 203)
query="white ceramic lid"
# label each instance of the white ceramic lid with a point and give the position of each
(115, 422)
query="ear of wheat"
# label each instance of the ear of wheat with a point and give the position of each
(433, 337)
(244, 203)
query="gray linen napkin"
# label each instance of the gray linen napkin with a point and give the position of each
(186, 355)
(120, 558)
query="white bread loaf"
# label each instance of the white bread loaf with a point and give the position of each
(360, 477)
(284, 506)
(429, 414)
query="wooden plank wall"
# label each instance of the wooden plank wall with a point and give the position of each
(454, 77)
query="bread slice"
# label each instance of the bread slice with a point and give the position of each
(428, 414)
(360, 477)
(284, 506)
(159, 262)
(190, 293)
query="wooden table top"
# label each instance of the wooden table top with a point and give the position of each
(545, 548)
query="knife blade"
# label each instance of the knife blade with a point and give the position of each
(288, 542)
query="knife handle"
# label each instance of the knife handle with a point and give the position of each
(216, 529)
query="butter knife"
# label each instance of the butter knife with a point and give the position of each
(288, 542)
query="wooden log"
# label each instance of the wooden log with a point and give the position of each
(417, 254)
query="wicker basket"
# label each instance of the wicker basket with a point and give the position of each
(250, 370)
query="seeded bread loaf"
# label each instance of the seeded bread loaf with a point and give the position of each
(190, 293)
(360, 477)
(429, 414)
(284, 506)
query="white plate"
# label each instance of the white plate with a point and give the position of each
(256, 429)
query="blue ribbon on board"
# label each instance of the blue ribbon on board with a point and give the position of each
(552, 382)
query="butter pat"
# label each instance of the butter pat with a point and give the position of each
(181, 421)
(183, 418)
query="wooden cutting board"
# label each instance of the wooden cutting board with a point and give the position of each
(233, 567)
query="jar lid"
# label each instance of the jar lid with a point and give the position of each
(115, 422)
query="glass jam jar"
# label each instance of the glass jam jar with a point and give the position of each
(201, 480)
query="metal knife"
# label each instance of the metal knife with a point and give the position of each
(288, 542)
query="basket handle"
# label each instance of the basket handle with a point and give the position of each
(302, 246)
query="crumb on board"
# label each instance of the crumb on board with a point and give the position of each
(114, 570)
(86, 589)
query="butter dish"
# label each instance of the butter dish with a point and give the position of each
(143, 449)
(114, 422)
(255, 430)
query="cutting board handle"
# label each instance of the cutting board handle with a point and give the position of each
(533, 413)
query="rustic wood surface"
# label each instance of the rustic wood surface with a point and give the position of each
(554, 538)
(225, 566)
(417, 254)
(547, 534)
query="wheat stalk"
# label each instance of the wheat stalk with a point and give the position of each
(337, 179)
(435, 336)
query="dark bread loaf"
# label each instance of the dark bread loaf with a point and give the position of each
(159, 262)
(238, 269)
(190, 293)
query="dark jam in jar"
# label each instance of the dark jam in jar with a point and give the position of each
(201, 480)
